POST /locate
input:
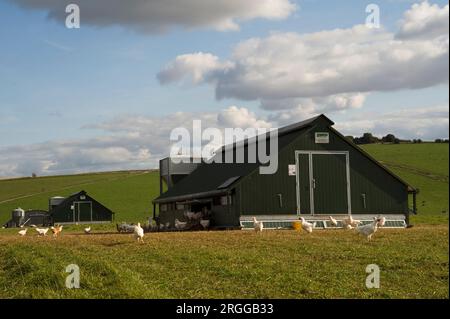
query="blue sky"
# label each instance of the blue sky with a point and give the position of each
(60, 84)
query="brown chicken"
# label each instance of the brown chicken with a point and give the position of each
(56, 230)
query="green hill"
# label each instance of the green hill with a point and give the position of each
(129, 193)
(425, 166)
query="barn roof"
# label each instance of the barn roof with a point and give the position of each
(218, 178)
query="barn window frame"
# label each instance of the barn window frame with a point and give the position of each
(226, 200)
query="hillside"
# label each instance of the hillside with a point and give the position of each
(425, 166)
(129, 194)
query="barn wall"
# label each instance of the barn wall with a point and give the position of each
(64, 214)
(384, 193)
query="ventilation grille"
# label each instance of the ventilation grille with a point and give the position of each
(269, 224)
(319, 224)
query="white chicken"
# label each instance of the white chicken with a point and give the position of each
(333, 221)
(258, 225)
(189, 215)
(139, 233)
(205, 223)
(382, 221)
(87, 230)
(180, 225)
(193, 216)
(42, 231)
(307, 226)
(369, 229)
(350, 221)
(348, 227)
(23, 232)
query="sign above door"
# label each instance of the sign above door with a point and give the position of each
(322, 138)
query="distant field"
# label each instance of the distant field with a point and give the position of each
(425, 166)
(234, 264)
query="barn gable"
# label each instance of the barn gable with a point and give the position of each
(80, 208)
(373, 188)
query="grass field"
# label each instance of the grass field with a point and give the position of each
(276, 264)
(128, 194)
(425, 166)
(237, 264)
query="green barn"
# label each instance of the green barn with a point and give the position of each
(320, 174)
(79, 208)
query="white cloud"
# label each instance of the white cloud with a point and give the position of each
(427, 123)
(139, 142)
(240, 117)
(424, 20)
(130, 142)
(284, 69)
(152, 16)
(195, 68)
(338, 102)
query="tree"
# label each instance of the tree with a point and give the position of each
(390, 138)
(350, 138)
(367, 138)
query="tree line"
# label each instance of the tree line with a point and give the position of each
(369, 138)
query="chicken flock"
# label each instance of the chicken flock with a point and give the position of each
(42, 232)
(348, 223)
(367, 230)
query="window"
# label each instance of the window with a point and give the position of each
(225, 200)
(180, 206)
(163, 208)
